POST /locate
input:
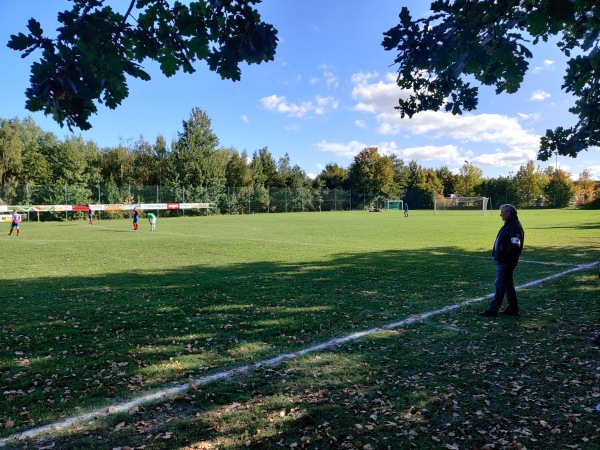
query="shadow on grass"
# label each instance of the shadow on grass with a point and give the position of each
(76, 343)
(455, 381)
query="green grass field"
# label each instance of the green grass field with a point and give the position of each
(95, 315)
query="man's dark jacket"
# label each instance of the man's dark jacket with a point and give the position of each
(509, 242)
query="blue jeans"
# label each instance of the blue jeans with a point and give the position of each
(504, 285)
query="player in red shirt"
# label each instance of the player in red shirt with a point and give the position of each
(15, 223)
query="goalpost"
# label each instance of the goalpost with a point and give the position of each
(443, 204)
(395, 205)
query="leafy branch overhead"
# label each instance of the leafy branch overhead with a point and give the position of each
(96, 48)
(489, 42)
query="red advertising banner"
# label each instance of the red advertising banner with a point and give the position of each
(172, 205)
(80, 208)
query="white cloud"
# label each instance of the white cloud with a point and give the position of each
(539, 96)
(325, 102)
(362, 77)
(447, 153)
(534, 117)
(361, 124)
(547, 65)
(328, 76)
(365, 107)
(245, 118)
(305, 109)
(347, 150)
(380, 97)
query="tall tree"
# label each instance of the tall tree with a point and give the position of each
(161, 160)
(143, 160)
(586, 185)
(237, 171)
(401, 177)
(371, 174)
(559, 189)
(259, 178)
(96, 47)
(448, 180)
(38, 170)
(269, 168)
(118, 164)
(489, 41)
(468, 180)
(333, 176)
(195, 155)
(499, 190)
(11, 153)
(69, 164)
(529, 185)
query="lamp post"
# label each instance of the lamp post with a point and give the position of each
(555, 178)
(466, 178)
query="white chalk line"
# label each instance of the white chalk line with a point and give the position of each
(225, 375)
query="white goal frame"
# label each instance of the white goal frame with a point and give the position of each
(387, 204)
(461, 203)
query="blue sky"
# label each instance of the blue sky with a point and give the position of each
(329, 93)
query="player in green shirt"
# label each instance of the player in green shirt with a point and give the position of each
(152, 220)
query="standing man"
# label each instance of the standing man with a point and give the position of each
(136, 218)
(405, 209)
(506, 252)
(15, 223)
(90, 215)
(152, 220)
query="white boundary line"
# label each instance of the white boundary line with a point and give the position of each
(124, 407)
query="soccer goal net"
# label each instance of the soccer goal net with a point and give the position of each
(394, 205)
(475, 204)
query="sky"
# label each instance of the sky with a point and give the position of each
(329, 93)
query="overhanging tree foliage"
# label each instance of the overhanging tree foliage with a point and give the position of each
(96, 47)
(489, 41)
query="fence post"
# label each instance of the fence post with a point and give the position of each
(335, 199)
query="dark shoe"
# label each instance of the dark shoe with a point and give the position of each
(488, 313)
(508, 312)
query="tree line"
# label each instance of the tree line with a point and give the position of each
(196, 164)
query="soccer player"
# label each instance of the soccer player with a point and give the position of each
(136, 218)
(15, 223)
(152, 220)
(91, 216)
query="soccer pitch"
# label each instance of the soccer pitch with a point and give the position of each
(95, 315)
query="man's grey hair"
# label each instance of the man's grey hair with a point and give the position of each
(509, 208)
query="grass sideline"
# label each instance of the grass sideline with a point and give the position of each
(95, 315)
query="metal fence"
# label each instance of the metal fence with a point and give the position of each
(227, 200)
